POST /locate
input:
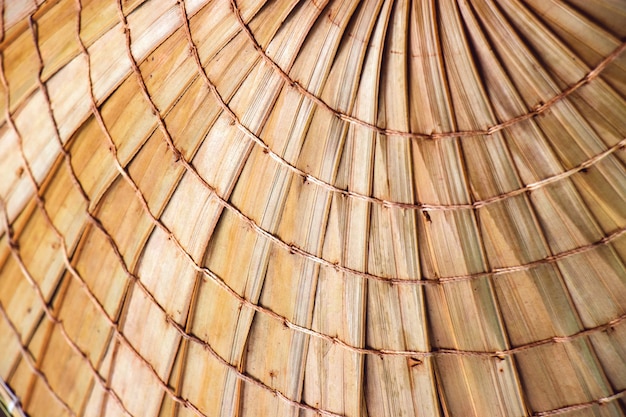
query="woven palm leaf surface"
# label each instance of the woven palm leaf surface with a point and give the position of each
(300, 208)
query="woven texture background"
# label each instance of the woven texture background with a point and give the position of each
(300, 208)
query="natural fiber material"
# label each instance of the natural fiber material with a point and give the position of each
(337, 208)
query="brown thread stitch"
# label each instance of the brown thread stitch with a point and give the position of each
(257, 308)
(25, 353)
(14, 247)
(96, 302)
(455, 278)
(53, 120)
(581, 406)
(591, 75)
(314, 258)
(205, 345)
(387, 203)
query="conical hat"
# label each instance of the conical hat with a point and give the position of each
(303, 208)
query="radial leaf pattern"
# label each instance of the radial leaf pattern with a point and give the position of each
(300, 208)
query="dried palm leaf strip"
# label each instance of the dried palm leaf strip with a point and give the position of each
(371, 351)
(51, 316)
(315, 258)
(391, 203)
(280, 318)
(435, 135)
(31, 363)
(568, 147)
(383, 351)
(120, 336)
